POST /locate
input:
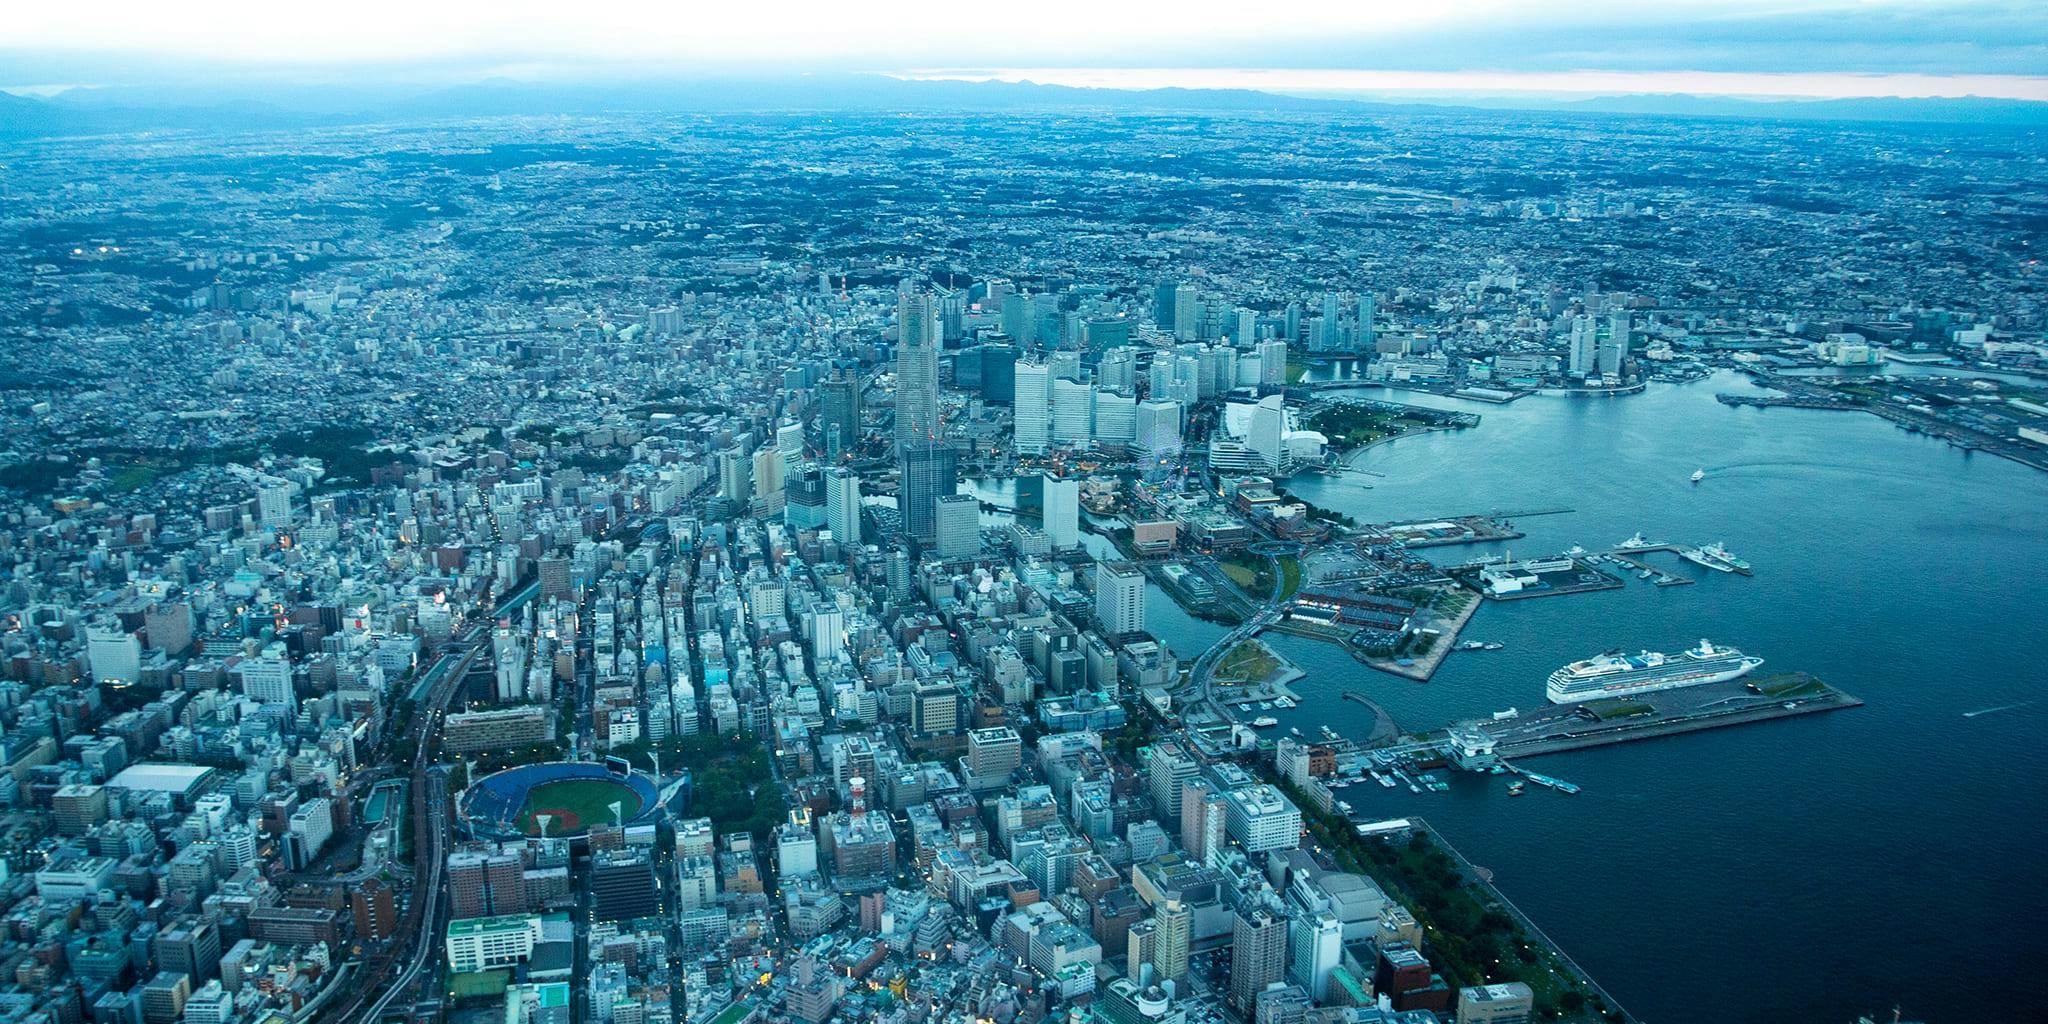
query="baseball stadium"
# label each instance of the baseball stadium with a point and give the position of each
(573, 796)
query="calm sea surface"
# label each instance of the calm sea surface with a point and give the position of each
(1811, 869)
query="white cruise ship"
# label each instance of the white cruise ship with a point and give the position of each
(1616, 675)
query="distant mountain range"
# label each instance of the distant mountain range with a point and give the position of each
(127, 108)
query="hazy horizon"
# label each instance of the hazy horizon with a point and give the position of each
(1821, 49)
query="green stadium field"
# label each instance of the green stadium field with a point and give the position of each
(577, 804)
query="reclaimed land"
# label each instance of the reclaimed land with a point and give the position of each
(1566, 727)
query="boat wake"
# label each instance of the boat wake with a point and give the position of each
(2001, 707)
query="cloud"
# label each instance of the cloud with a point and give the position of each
(135, 39)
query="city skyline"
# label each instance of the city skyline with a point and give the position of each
(912, 515)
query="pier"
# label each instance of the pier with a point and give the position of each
(1808, 401)
(1564, 727)
(1625, 556)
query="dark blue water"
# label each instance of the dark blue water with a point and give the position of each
(1810, 869)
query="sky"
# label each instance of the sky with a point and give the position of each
(1803, 48)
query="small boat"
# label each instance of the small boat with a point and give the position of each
(1698, 475)
(1645, 574)
(1516, 788)
(1265, 722)
(1295, 729)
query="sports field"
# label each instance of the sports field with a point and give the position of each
(577, 804)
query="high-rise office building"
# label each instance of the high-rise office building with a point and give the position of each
(769, 497)
(838, 416)
(804, 497)
(1107, 332)
(1062, 512)
(1162, 304)
(736, 476)
(1073, 411)
(1033, 408)
(930, 471)
(917, 369)
(1116, 419)
(1120, 598)
(998, 372)
(1187, 312)
(622, 885)
(958, 525)
(1258, 955)
(1316, 948)
(1262, 819)
(115, 654)
(267, 677)
(1158, 431)
(842, 505)
(1175, 921)
(1204, 820)
(1118, 370)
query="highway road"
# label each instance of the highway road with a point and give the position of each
(395, 971)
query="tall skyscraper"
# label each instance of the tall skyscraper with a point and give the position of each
(1584, 354)
(1176, 930)
(804, 504)
(1204, 820)
(838, 416)
(930, 471)
(1368, 335)
(736, 475)
(1158, 431)
(1187, 312)
(1073, 411)
(1258, 955)
(1017, 317)
(917, 368)
(1316, 938)
(958, 525)
(1614, 347)
(1273, 363)
(1062, 512)
(1120, 597)
(789, 441)
(1162, 304)
(1116, 419)
(842, 505)
(768, 498)
(1118, 370)
(1033, 408)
